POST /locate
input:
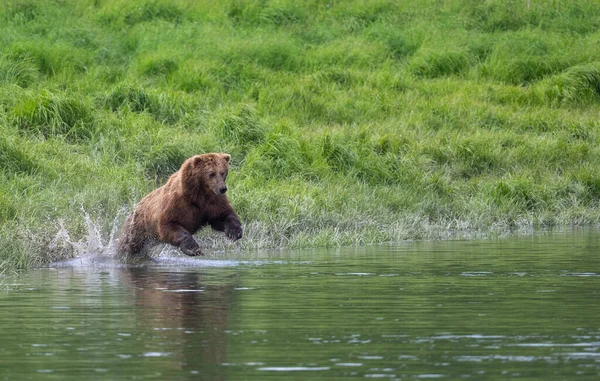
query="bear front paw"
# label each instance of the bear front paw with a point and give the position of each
(234, 232)
(192, 252)
(190, 247)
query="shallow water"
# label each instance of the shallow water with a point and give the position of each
(518, 308)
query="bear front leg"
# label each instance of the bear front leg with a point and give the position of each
(176, 235)
(231, 225)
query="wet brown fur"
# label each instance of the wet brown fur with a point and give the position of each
(192, 199)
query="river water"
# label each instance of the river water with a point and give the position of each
(524, 308)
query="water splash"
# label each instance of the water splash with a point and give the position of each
(91, 249)
(96, 250)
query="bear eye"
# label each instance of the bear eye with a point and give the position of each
(222, 173)
(212, 174)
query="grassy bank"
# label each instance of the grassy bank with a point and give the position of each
(349, 122)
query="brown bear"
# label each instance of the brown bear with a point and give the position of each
(193, 197)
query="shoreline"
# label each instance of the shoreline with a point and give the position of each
(216, 246)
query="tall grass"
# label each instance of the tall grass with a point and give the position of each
(349, 122)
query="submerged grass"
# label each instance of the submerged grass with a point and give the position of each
(349, 122)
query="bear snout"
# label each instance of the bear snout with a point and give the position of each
(223, 190)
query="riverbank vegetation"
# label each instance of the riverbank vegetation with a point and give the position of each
(348, 122)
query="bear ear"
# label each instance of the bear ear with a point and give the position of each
(226, 156)
(197, 160)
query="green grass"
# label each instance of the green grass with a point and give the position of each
(349, 122)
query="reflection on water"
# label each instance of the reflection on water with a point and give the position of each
(69, 321)
(523, 308)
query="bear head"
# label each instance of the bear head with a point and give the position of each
(206, 173)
